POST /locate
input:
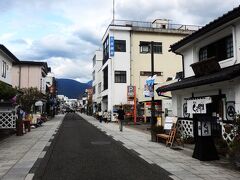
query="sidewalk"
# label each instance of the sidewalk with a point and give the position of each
(19, 153)
(180, 165)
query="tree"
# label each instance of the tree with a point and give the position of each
(6, 91)
(29, 97)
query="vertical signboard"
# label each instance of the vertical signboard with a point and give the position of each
(131, 95)
(111, 39)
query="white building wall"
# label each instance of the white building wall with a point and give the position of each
(98, 76)
(237, 42)
(191, 53)
(8, 78)
(120, 62)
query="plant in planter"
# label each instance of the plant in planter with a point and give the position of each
(235, 144)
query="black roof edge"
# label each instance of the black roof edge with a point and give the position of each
(229, 16)
(11, 55)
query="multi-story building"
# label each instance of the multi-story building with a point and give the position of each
(97, 80)
(28, 74)
(125, 61)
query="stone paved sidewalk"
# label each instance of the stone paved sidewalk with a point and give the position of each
(19, 153)
(180, 165)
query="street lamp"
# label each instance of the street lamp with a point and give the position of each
(148, 47)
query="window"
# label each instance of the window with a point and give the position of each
(99, 87)
(145, 47)
(93, 75)
(221, 49)
(120, 77)
(157, 48)
(120, 46)
(94, 60)
(105, 78)
(4, 69)
(105, 50)
(94, 89)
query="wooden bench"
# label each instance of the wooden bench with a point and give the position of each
(169, 138)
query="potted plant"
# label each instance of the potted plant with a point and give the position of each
(6, 92)
(234, 146)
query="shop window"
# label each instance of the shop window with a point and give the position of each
(120, 77)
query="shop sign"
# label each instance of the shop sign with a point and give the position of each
(230, 110)
(204, 128)
(198, 105)
(130, 91)
(111, 39)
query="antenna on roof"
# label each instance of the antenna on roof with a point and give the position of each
(113, 11)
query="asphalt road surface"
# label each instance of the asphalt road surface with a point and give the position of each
(80, 151)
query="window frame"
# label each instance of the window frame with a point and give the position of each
(120, 76)
(221, 49)
(117, 45)
(146, 44)
(4, 69)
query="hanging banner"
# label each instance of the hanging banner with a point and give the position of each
(148, 87)
(198, 105)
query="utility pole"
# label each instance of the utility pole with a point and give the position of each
(152, 73)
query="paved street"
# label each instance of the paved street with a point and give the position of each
(81, 151)
(19, 153)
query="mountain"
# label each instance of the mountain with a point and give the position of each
(71, 88)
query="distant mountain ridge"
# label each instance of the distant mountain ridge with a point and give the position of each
(71, 88)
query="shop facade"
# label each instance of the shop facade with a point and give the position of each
(208, 95)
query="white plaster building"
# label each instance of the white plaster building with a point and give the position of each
(125, 63)
(211, 66)
(6, 62)
(97, 80)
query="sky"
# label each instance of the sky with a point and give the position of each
(66, 33)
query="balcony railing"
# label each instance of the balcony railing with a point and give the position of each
(155, 25)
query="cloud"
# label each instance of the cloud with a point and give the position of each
(75, 69)
(66, 33)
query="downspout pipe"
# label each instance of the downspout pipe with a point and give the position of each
(183, 69)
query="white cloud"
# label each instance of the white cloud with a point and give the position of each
(65, 33)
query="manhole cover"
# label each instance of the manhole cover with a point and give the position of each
(100, 142)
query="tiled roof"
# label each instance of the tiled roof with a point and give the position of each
(227, 17)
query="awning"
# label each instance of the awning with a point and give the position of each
(223, 75)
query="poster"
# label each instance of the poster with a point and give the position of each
(148, 87)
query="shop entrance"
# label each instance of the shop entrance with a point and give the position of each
(207, 128)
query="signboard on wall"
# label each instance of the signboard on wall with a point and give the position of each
(230, 110)
(204, 128)
(111, 39)
(130, 91)
(198, 105)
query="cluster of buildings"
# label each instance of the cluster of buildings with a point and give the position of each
(124, 61)
(197, 72)
(25, 74)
